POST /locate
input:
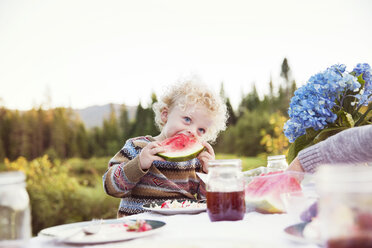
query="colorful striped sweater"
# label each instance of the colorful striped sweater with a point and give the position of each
(164, 180)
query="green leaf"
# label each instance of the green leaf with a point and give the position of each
(346, 118)
(361, 80)
(299, 144)
(366, 117)
(325, 133)
(311, 133)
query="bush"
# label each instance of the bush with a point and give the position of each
(244, 137)
(57, 198)
(88, 171)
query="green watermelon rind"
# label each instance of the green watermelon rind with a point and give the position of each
(264, 207)
(169, 156)
(270, 202)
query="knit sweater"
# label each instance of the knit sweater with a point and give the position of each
(351, 146)
(162, 181)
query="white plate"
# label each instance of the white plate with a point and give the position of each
(295, 233)
(171, 211)
(110, 231)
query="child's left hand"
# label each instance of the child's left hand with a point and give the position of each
(206, 155)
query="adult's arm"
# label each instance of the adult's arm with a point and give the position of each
(351, 146)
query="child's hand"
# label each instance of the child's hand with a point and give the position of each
(148, 154)
(206, 156)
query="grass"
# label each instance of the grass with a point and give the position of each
(248, 163)
(89, 170)
(96, 167)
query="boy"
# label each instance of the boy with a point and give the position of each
(138, 176)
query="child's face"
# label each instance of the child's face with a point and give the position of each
(193, 120)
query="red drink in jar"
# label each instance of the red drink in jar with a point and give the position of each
(345, 205)
(225, 205)
(351, 242)
(225, 190)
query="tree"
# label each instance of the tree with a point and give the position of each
(139, 124)
(230, 111)
(244, 138)
(60, 133)
(232, 119)
(285, 73)
(111, 132)
(250, 102)
(81, 140)
(2, 133)
(151, 128)
(96, 142)
(274, 139)
(124, 124)
(14, 132)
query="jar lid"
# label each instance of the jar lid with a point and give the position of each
(276, 157)
(11, 177)
(344, 178)
(225, 163)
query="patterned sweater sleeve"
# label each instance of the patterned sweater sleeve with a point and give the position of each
(202, 187)
(350, 146)
(124, 170)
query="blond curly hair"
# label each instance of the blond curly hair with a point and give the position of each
(192, 93)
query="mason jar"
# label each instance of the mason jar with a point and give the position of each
(225, 190)
(15, 219)
(345, 205)
(277, 163)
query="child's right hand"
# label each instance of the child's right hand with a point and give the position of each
(148, 154)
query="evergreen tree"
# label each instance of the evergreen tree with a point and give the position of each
(293, 88)
(232, 119)
(2, 151)
(59, 133)
(96, 142)
(250, 102)
(81, 140)
(15, 137)
(271, 88)
(285, 73)
(2, 133)
(286, 93)
(111, 132)
(38, 133)
(151, 128)
(124, 124)
(139, 124)
(29, 136)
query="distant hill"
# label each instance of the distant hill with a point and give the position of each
(93, 116)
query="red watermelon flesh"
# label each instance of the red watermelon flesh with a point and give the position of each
(263, 192)
(178, 142)
(181, 147)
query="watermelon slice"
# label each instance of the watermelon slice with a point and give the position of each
(180, 147)
(262, 194)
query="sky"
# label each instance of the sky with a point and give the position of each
(78, 53)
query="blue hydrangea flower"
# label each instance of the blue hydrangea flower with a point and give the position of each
(312, 104)
(365, 96)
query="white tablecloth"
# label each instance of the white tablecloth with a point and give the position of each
(255, 230)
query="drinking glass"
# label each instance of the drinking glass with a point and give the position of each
(345, 205)
(15, 219)
(225, 190)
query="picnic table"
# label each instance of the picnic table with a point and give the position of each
(196, 230)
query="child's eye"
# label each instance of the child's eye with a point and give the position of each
(202, 130)
(187, 119)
